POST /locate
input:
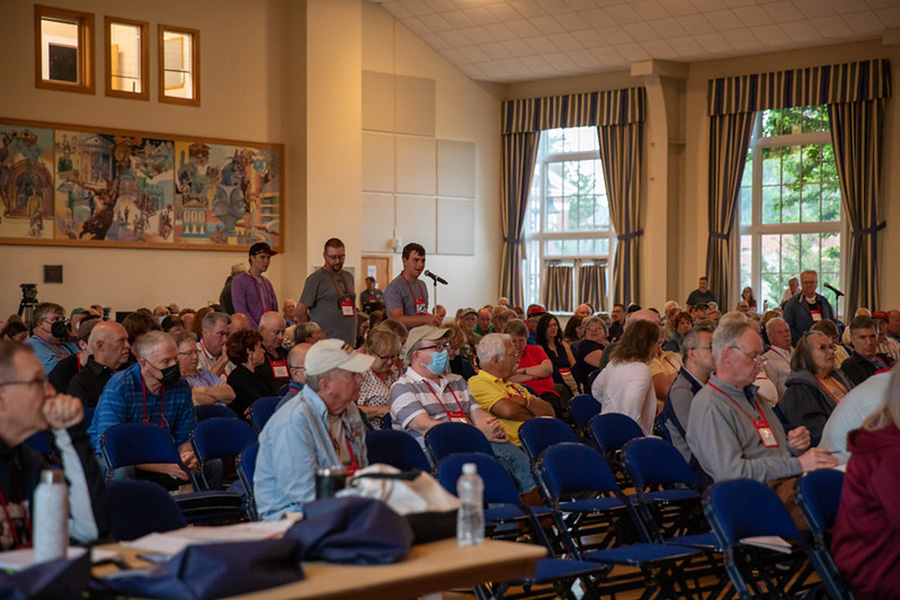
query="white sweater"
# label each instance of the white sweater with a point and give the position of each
(627, 388)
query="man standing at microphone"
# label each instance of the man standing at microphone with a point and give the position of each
(406, 298)
(806, 308)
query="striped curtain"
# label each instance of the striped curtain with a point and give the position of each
(857, 132)
(517, 168)
(854, 93)
(592, 286)
(558, 288)
(615, 109)
(729, 139)
(620, 155)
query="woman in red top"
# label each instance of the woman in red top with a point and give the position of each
(866, 541)
(535, 369)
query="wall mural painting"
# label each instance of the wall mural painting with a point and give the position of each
(26, 182)
(227, 194)
(68, 185)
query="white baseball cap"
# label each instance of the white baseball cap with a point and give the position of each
(335, 354)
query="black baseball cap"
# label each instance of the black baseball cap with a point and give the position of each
(261, 247)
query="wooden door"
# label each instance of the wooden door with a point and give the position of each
(379, 267)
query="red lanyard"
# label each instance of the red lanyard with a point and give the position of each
(384, 380)
(9, 521)
(344, 283)
(412, 293)
(740, 408)
(666, 358)
(162, 393)
(206, 352)
(441, 402)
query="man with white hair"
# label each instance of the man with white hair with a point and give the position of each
(584, 311)
(109, 351)
(730, 431)
(511, 403)
(211, 347)
(319, 427)
(778, 358)
(274, 370)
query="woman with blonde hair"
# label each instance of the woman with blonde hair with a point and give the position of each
(864, 545)
(375, 391)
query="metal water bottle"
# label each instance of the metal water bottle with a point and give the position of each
(470, 519)
(51, 516)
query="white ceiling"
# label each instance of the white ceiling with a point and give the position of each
(523, 40)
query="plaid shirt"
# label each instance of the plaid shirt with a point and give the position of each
(122, 401)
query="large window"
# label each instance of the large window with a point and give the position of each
(567, 220)
(790, 205)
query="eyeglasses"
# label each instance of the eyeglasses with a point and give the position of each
(824, 347)
(436, 347)
(390, 357)
(702, 348)
(189, 353)
(298, 368)
(338, 257)
(41, 381)
(760, 360)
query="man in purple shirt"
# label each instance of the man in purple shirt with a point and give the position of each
(251, 293)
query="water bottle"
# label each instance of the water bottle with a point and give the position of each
(470, 519)
(51, 516)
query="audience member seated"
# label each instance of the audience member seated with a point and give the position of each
(426, 395)
(206, 388)
(864, 544)
(483, 325)
(857, 405)
(617, 322)
(697, 365)
(491, 388)
(50, 339)
(664, 366)
(459, 364)
(682, 325)
(500, 316)
(702, 295)
(274, 369)
(296, 360)
(778, 357)
(395, 327)
(865, 360)
(828, 327)
(534, 369)
(211, 346)
(303, 333)
(245, 350)
(886, 344)
(466, 320)
(814, 386)
(152, 391)
(747, 296)
(110, 351)
(239, 322)
(137, 324)
(573, 332)
(793, 290)
(625, 386)
(71, 365)
(548, 335)
(28, 406)
(730, 431)
(173, 325)
(14, 331)
(363, 325)
(375, 392)
(319, 427)
(670, 326)
(845, 336)
(589, 352)
(288, 311)
(187, 318)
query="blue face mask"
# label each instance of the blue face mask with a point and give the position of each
(438, 362)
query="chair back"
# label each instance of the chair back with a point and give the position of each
(88, 417)
(741, 508)
(387, 422)
(583, 408)
(40, 443)
(543, 432)
(130, 444)
(652, 462)
(818, 494)
(262, 410)
(499, 487)
(568, 469)
(612, 431)
(211, 411)
(141, 507)
(245, 465)
(396, 448)
(221, 437)
(449, 438)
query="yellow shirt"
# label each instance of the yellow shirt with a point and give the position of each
(487, 390)
(665, 363)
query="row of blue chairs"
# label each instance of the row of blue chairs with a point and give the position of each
(259, 412)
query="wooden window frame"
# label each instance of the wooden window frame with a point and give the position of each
(85, 21)
(195, 65)
(144, 94)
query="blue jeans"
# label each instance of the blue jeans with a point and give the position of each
(515, 461)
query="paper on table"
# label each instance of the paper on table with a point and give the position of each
(770, 542)
(173, 542)
(17, 560)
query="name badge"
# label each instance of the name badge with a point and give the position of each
(765, 433)
(457, 416)
(421, 306)
(347, 308)
(816, 315)
(279, 369)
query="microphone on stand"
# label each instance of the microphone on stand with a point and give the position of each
(838, 293)
(435, 278)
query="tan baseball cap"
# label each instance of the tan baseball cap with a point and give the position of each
(423, 332)
(335, 354)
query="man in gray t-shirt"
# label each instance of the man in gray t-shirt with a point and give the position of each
(328, 296)
(406, 297)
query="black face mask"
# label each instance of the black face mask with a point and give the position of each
(59, 330)
(170, 375)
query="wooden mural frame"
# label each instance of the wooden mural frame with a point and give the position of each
(73, 185)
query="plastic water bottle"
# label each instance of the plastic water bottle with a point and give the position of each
(470, 519)
(51, 516)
